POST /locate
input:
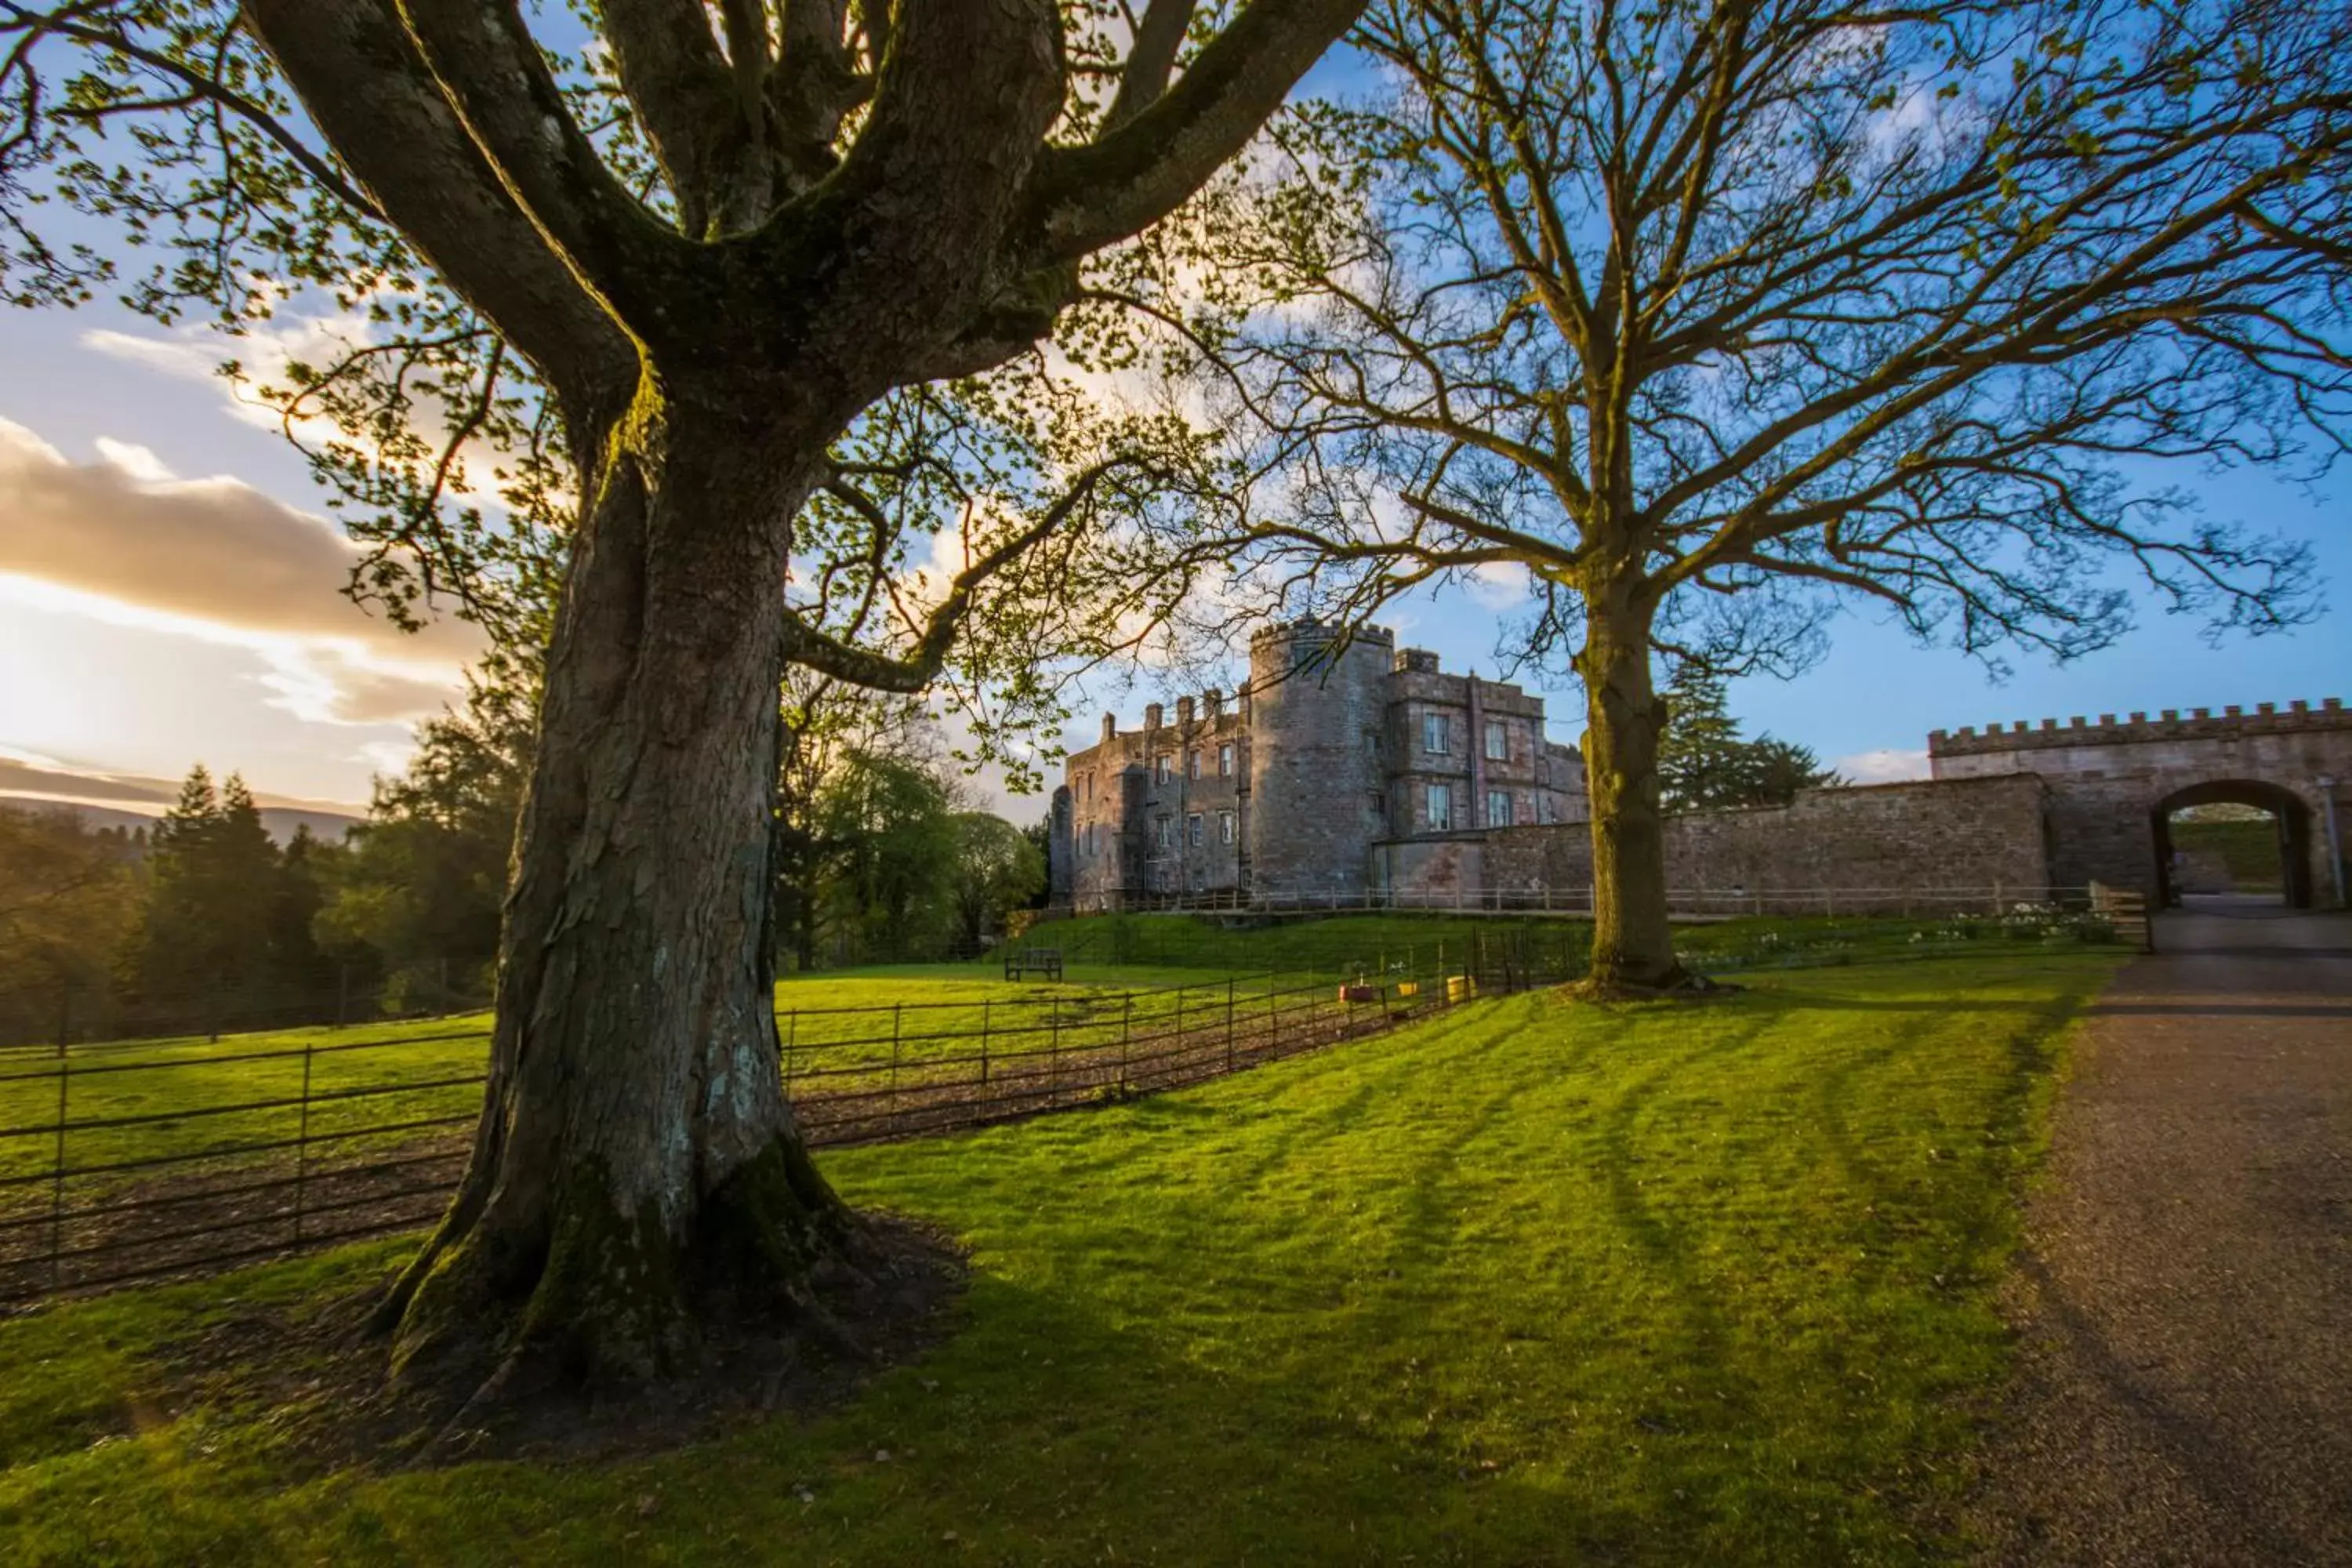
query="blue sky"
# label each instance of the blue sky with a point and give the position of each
(167, 595)
(102, 681)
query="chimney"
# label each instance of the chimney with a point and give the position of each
(1110, 726)
(1185, 712)
(1212, 703)
(1151, 711)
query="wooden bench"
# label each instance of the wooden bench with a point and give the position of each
(1044, 961)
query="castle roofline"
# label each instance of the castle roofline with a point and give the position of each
(2169, 724)
(1309, 626)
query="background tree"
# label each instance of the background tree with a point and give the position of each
(1706, 764)
(415, 889)
(996, 870)
(826, 723)
(69, 903)
(674, 266)
(888, 833)
(213, 882)
(1706, 315)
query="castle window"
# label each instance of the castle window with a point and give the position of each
(1167, 826)
(1498, 743)
(1498, 807)
(1225, 825)
(1225, 761)
(1436, 733)
(1440, 807)
(1192, 830)
(1377, 805)
(1372, 743)
(1543, 809)
(1163, 768)
(1192, 763)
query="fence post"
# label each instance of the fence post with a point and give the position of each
(897, 1013)
(792, 1035)
(302, 1139)
(1178, 1034)
(1229, 1023)
(1054, 1047)
(58, 1173)
(1126, 1024)
(984, 1004)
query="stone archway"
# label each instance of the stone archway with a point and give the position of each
(2288, 811)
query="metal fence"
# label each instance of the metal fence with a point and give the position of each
(130, 1162)
(1575, 902)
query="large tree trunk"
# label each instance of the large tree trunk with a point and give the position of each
(1633, 945)
(636, 1163)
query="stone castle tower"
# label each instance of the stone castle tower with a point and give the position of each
(1341, 754)
(1318, 723)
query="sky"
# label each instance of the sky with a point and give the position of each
(169, 594)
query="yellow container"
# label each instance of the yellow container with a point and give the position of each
(1408, 987)
(1461, 987)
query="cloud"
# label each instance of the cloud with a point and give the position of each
(266, 354)
(132, 790)
(122, 541)
(1499, 585)
(1885, 765)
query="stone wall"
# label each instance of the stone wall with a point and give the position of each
(1432, 871)
(2111, 783)
(1899, 843)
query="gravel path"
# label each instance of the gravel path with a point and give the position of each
(2185, 1385)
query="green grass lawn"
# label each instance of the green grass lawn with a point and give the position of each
(374, 1075)
(1526, 1284)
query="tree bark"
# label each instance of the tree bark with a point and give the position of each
(635, 1167)
(1633, 944)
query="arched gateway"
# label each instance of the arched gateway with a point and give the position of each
(2110, 788)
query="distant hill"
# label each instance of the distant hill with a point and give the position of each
(280, 820)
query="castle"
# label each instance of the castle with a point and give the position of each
(1340, 752)
(1349, 772)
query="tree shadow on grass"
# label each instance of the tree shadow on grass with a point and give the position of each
(1211, 1362)
(1046, 1430)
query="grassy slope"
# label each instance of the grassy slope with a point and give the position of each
(2249, 849)
(1524, 1285)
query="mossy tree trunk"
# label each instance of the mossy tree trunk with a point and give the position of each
(636, 1166)
(853, 211)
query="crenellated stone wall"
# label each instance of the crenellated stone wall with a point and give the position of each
(2112, 784)
(1351, 770)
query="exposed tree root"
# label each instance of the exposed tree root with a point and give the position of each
(1683, 985)
(578, 1303)
(313, 1365)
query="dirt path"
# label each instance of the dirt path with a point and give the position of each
(2185, 1390)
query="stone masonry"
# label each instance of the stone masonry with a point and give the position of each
(2112, 785)
(1349, 770)
(1917, 845)
(1337, 744)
